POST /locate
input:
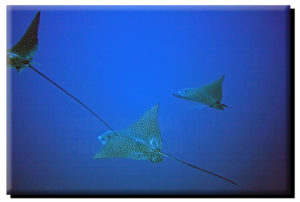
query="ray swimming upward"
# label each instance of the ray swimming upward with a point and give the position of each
(210, 94)
(20, 56)
(140, 141)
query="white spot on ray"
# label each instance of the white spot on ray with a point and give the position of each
(136, 142)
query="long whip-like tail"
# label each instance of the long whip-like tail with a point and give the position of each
(190, 165)
(110, 128)
(73, 97)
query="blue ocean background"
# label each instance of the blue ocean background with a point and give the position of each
(121, 61)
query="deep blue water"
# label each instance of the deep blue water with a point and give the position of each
(120, 61)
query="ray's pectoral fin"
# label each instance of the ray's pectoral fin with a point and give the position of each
(209, 95)
(20, 55)
(27, 45)
(120, 147)
(214, 90)
(146, 128)
(139, 141)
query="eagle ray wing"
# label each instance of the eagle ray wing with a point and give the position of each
(120, 147)
(146, 129)
(213, 90)
(27, 45)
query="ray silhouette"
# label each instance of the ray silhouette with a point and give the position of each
(210, 94)
(20, 57)
(140, 141)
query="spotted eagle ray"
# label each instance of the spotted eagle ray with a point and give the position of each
(210, 94)
(20, 56)
(140, 141)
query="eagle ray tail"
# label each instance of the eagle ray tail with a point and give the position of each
(73, 97)
(190, 165)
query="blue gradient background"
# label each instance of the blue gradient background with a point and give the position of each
(121, 61)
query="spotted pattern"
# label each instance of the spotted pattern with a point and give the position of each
(137, 142)
(146, 128)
